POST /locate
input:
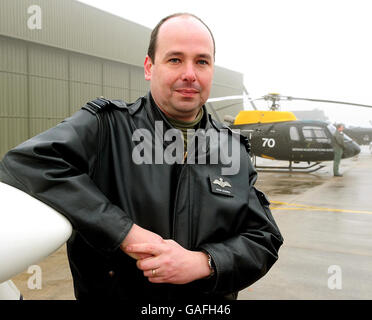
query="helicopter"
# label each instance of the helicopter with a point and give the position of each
(361, 135)
(279, 135)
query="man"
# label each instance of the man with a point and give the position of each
(338, 149)
(153, 231)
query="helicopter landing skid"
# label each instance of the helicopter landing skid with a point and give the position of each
(308, 169)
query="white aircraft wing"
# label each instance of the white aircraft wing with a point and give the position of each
(8, 291)
(29, 231)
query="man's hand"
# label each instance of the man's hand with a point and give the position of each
(138, 235)
(168, 262)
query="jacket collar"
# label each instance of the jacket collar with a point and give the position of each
(156, 114)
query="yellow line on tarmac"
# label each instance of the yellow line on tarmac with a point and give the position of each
(312, 208)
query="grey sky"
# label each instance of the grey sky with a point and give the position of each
(312, 49)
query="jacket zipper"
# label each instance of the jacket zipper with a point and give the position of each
(176, 198)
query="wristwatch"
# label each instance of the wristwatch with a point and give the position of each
(211, 265)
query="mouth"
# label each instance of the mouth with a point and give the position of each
(187, 92)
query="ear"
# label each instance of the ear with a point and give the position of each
(148, 68)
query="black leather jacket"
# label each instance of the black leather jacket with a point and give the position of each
(83, 168)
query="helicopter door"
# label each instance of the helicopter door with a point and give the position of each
(270, 143)
(296, 144)
(314, 145)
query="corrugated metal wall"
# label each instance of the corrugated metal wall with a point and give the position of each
(40, 86)
(75, 26)
(14, 109)
(47, 74)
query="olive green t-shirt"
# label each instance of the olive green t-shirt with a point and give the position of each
(184, 125)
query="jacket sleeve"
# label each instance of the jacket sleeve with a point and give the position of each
(246, 257)
(339, 137)
(56, 167)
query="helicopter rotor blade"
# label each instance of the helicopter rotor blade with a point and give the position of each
(249, 98)
(327, 101)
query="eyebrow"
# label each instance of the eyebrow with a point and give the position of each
(179, 53)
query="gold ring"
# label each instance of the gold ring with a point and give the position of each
(153, 271)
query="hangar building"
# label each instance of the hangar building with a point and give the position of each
(57, 55)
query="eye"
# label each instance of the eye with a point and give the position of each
(203, 62)
(174, 60)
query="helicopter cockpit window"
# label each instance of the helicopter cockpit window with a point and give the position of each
(347, 138)
(293, 133)
(315, 134)
(333, 129)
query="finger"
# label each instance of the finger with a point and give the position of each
(158, 280)
(149, 248)
(148, 263)
(152, 273)
(143, 255)
(138, 256)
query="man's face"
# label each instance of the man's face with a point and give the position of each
(181, 75)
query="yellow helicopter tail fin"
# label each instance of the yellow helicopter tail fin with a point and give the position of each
(257, 116)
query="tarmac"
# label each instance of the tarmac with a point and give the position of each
(326, 223)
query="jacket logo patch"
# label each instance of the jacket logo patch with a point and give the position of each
(221, 186)
(221, 183)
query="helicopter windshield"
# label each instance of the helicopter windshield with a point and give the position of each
(347, 138)
(333, 130)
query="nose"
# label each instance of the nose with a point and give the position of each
(188, 73)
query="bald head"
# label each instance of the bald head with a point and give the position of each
(176, 18)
